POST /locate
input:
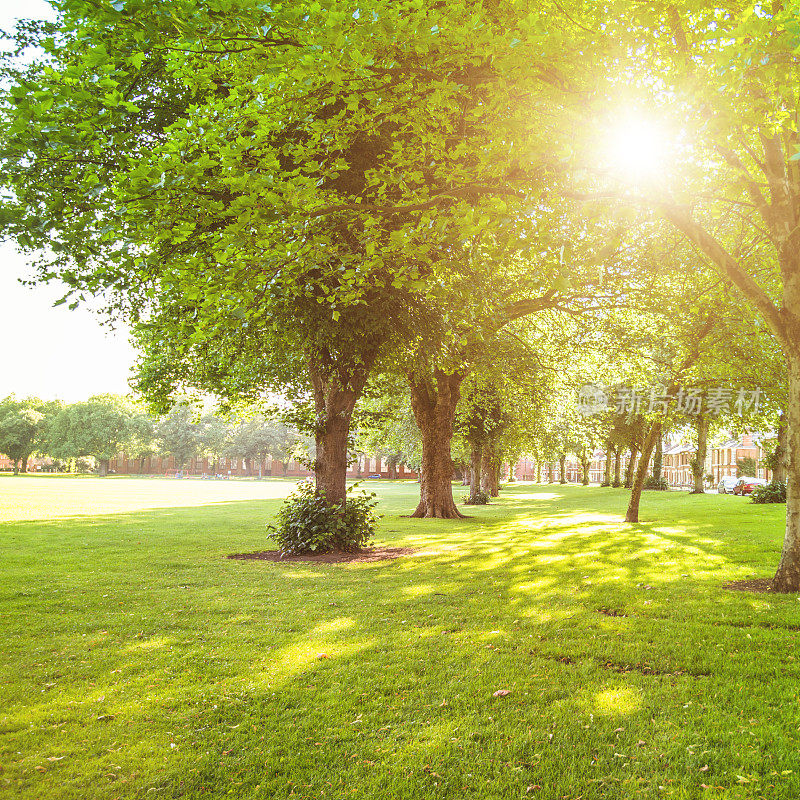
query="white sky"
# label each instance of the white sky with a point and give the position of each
(46, 351)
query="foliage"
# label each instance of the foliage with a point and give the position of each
(276, 183)
(479, 498)
(659, 484)
(774, 492)
(308, 523)
(747, 467)
(98, 427)
(179, 435)
(23, 427)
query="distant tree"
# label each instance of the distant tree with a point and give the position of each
(288, 444)
(250, 440)
(98, 427)
(746, 467)
(23, 425)
(141, 440)
(213, 437)
(179, 436)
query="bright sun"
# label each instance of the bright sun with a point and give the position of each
(637, 150)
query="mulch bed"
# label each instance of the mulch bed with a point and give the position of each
(361, 557)
(760, 585)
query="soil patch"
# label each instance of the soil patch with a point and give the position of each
(361, 557)
(760, 585)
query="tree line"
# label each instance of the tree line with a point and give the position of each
(95, 431)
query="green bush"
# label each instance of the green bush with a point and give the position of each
(308, 523)
(660, 485)
(477, 499)
(774, 492)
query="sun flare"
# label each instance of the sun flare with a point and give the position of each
(637, 149)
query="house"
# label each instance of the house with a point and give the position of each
(677, 463)
(750, 445)
(34, 464)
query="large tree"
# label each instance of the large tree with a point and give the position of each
(720, 81)
(98, 427)
(300, 172)
(23, 428)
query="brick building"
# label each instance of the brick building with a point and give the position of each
(725, 456)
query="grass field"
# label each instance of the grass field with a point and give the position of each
(138, 662)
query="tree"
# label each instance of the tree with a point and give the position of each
(746, 467)
(179, 435)
(732, 87)
(698, 463)
(98, 427)
(244, 184)
(23, 426)
(251, 438)
(141, 436)
(213, 437)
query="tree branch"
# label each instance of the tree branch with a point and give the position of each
(728, 266)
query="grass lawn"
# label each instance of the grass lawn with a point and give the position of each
(138, 662)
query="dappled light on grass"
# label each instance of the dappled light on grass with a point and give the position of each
(202, 676)
(148, 644)
(621, 701)
(536, 496)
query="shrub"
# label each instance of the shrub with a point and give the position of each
(477, 499)
(308, 523)
(659, 485)
(774, 492)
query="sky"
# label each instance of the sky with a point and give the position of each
(48, 351)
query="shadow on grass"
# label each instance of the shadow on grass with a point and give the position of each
(261, 679)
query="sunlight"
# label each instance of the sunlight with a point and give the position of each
(621, 700)
(637, 149)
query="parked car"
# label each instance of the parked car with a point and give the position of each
(748, 485)
(727, 485)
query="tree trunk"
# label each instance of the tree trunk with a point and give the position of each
(538, 471)
(334, 404)
(618, 467)
(24, 467)
(103, 467)
(476, 454)
(699, 461)
(512, 466)
(391, 467)
(486, 472)
(550, 472)
(781, 451)
(495, 477)
(607, 476)
(787, 578)
(433, 401)
(630, 471)
(16, 466)
(658, 458)
(562, 463)
(653, 435)
(585, 468)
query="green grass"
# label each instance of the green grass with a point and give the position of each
(138, 662)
